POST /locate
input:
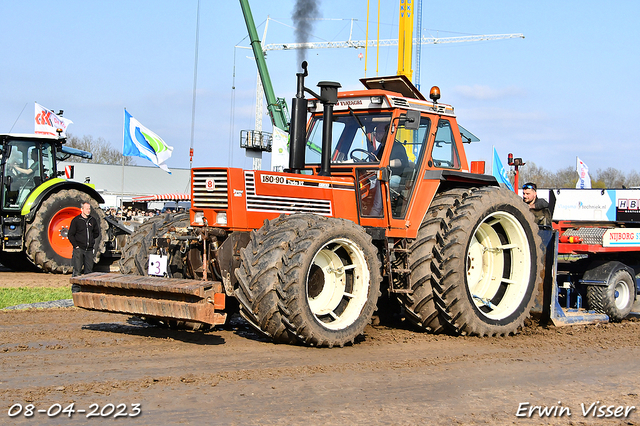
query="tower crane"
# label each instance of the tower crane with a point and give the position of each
(405, 41)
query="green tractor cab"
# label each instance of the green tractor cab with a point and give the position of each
(37, 205)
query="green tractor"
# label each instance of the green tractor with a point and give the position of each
(37, 205)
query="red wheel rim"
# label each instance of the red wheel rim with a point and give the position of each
(59, 229)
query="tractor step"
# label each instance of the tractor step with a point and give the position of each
(157, 297)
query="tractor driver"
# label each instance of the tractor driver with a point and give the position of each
(31, 170)
(398, 159)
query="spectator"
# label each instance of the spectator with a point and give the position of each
(538, 206)
(83, 232)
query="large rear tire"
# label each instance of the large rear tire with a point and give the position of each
(46, 238)
(487, 263)
(310, 278)
(420, 307)
(135, 255)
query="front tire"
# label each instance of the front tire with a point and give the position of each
(46, 241)
(488, 263)
(310, 278)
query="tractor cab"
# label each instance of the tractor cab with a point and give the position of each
(27, 161)
(386, 137)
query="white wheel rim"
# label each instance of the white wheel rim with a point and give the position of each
(338, 284)
(621, 295)
(497, 271)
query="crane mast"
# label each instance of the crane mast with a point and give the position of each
(405, 38)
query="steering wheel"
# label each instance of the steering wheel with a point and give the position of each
(370, 156)
(12, 171)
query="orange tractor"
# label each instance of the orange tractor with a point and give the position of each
(378, 202)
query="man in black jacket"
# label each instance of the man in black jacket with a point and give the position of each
(83, 232)
(538, 206)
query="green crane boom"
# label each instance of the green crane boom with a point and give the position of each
(275, 106)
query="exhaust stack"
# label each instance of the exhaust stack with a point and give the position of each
(329, 97)
(298, 126)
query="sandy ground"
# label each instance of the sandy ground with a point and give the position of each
(233, 376)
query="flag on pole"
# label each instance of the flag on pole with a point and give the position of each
(142, 142)
(584, 181)
(498, 171)
(47, 123)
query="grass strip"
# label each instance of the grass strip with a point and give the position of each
(20, 295)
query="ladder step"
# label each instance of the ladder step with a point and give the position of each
(401, 271)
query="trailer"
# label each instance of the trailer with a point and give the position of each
(593, 254)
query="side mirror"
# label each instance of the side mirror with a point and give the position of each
(412, 122)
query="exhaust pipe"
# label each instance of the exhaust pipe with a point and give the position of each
(329, 97)
(298, 126)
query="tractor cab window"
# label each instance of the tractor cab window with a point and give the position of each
(48, 161)
(355, 138)
(444, 153)
(24, 169)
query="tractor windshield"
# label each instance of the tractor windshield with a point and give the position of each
(355, 138)
(28, 164)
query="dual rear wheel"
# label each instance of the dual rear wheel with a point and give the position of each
(475, 264)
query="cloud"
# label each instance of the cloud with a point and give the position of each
(480, 92)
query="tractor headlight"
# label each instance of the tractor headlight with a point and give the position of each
(198, 218)
(221, 218)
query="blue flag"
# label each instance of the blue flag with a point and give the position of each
(498, 171)
(142, 142)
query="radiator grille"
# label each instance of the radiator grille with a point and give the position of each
(265, 203)
(210, 198)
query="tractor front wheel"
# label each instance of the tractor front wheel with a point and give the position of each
(310, 278)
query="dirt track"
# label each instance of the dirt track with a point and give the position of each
(233, 376)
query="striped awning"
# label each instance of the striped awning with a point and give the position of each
(164, 197)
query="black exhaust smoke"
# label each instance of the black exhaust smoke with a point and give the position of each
(305, 12)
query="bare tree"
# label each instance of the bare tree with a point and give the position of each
(103, 152)
(543, 178)
(609, 178)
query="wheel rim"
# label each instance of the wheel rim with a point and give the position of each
(621, 295)
(498, 265)
(59, 229)
(338, 284)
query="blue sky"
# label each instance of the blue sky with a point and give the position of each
(568, 89)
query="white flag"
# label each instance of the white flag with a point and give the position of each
(584, 181)
(47, 123)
